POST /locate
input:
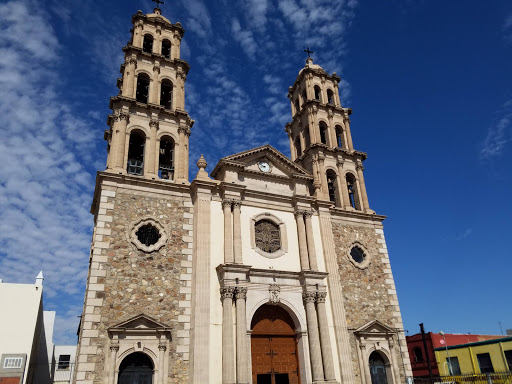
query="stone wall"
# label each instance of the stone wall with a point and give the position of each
(131, 282)
(369, 293)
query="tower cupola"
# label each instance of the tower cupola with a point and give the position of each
(149, 127)
(321, 140)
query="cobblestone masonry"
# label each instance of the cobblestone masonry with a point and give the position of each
(125, 281)
(370, 293)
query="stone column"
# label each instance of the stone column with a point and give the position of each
(293, 150)
(130, 64)
(317, 184)
(331, 130)
(180, 91)
(237, 232)
(155, 85)
(303, 246)
(120, 141)
(360, 177)
(337, 94)
(151, 148)
(394, 365)
(311, 241)
(314, 339)
(311, 127)
(342, 182)
(157, 43)
(175, 53)
(350, 145)
(323, 175)
(228, 354)
(184, 152)
(178, 163)
(242, 371)
(325, 339)
(113, 358)
(316, 126)
(162, 347)
(137, 34)
(228, 232)
(365, 364)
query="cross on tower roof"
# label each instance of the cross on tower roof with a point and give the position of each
(158, 2)
(306, 50)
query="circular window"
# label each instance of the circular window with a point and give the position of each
(148, 235)
(357, 254)
(267, 236)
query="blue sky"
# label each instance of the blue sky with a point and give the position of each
(430, 87)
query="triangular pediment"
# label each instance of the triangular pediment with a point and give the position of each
(140, 322)
(374, 327)
(249, 162)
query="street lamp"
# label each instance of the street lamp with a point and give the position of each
(449, 362)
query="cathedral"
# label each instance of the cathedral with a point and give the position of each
(268, 270)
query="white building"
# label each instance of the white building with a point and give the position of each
(26, 333)
(64, 363)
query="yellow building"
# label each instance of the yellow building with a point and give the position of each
(475, 358)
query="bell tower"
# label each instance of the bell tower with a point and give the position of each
(149, 127)
(321, 142)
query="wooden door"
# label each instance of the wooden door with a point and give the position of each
(274, 360)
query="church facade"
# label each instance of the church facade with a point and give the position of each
(268, 270)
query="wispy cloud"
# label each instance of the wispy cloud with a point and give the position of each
(507, 29)
(499, 135)
(467, 232)
(45, 189)
(245, 38)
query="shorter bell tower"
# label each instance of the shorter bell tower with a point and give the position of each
(149, 127)
(321, 141)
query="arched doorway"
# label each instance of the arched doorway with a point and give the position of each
(274, 347)
(136, 368)
(378, 371)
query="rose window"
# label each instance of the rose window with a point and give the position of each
(267, 236)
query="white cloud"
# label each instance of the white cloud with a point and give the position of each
(245, 38)
(199, 21)
(257, 13)
(45, 189)
(498, 134)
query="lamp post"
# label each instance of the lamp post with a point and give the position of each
(449, 362)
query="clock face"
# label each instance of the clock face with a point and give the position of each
(264, 166)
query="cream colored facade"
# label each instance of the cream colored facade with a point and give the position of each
(178, 272)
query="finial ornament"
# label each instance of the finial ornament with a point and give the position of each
(201, 164)
(306, 50)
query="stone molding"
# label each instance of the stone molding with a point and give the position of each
(241, 293)
(132, 235)
(367, 255)
(227, 292)
(282, 231)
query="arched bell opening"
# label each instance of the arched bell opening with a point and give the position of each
(323, 132)
(166, 158)
(380, 368)
(147, 45)
(136, 368)
(274, 347)
(166, 48)
(353, 193)
(137, 143)
(142, 92)
(331, 185)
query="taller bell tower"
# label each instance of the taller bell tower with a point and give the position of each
(149, 127)
(321, 141)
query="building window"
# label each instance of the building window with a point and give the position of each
(339, 136)
(64, 362)
(267, 236)
(166, 94)
(453, 362)
(317, 93)
(136, 153)
(147, 235)
(330, 97)
(352, 191)
(298, 147)
(142, 92)
(418, 354)
(485, 363)
(323, 133)
(147, 46)
(508, 356)
(358, 255)
(13, 362)
(166, 48)
(331, 188)
(166, 159)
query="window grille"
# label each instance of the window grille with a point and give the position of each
(267, 236)
(13, 362)
(135, 167)
(357, 254)
(148, 235)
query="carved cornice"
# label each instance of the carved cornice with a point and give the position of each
(185, 130)
(359, 165)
